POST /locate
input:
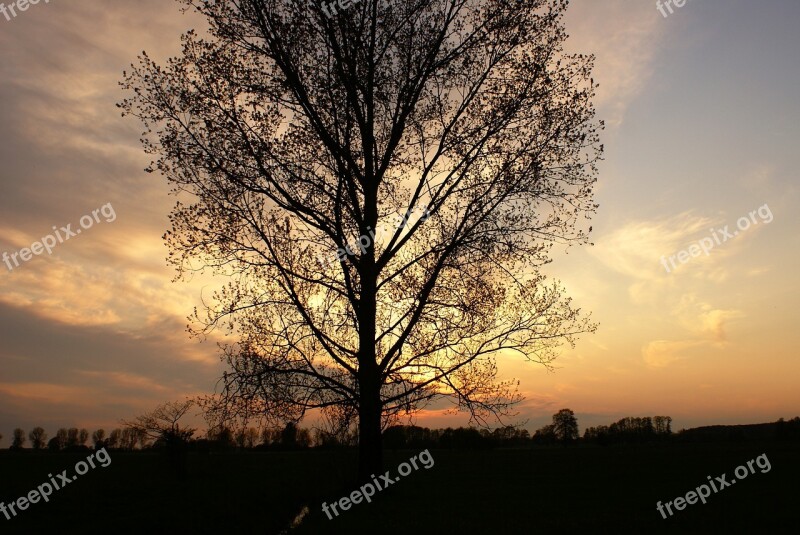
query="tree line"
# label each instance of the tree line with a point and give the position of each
(161, 428)
(562, 430)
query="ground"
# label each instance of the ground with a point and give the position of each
(543, 490)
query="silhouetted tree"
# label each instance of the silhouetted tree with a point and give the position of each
(599, 434)
(303, 438)
(1, 437)
(222, 437)
(83, 436)
(510, 436)
(62, 438)
(163, 424)
(408, 436)
(631, 430)
(662, 425)
(289, 435)
(128, 439)
(299, 135)
(545, 435)
(98, 438)
(53, 444)
(72, 437)
(247, 438)
(38, 438)
(788, 430)
(270, 436)
(565, 426)
(463, 438)
(19, 439)
(114, 439)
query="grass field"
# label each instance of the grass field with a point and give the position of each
(542, 490)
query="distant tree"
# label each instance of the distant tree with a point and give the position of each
(72, 437)
(222, 436)
(1, 437)
(791, 430)
(337, 428)
(38, 438)
(565, 426)
(98, 437)
(270, 436)
(646, 426)
(163, 424)
(83, 436)
(61, 437)
(662, 425)
(303, 438)
(599, 434)
(19, 439)
(509, 436)
(114, 439)
(544, 435)
(247, 438)
(289, 435)
(143, 439)
(53, 444)
(128, 439)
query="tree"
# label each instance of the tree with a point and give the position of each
(72, 437)
(1, 437)
(289, 435)
(98, 438)
(19, 439)
(429, 152)
(545, 435)
(38, 438)
(599, 434)
(62, 436)
(114, 439)
(222, 437)
(163, 423)
(565, 426)
(662, 425)
(247, 438)
(129, 438)
(83, 436)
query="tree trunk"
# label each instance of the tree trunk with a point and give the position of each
(370, 444)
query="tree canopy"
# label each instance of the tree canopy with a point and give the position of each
(435, 149)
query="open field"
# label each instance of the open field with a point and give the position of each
(542, 490)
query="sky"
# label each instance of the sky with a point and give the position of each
(702, 129)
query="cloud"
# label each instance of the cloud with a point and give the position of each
(57, 370)
(704, 325)
(639, 249)
(660, 353)
(625, 37)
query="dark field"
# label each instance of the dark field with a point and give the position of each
(542, 490)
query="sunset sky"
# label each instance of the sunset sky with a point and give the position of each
(702, 129)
